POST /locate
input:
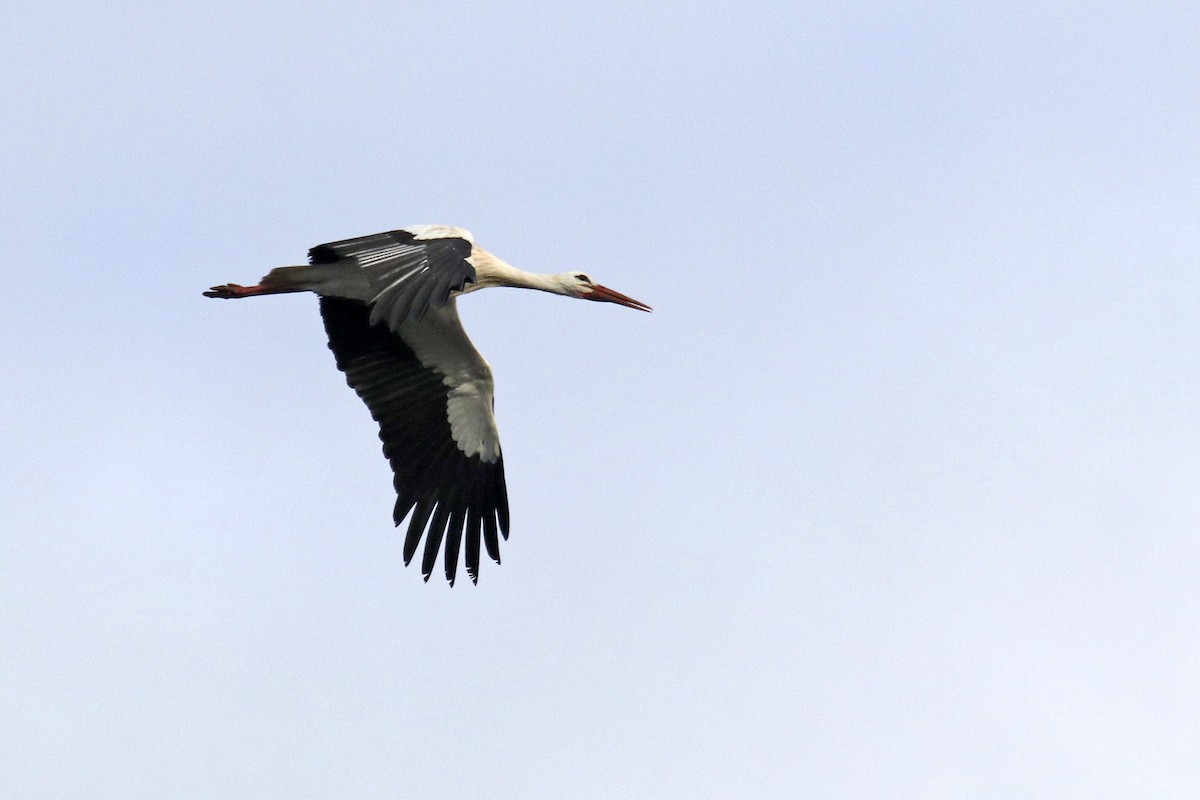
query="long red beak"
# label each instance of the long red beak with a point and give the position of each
(607, 295)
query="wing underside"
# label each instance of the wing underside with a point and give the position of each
(448, 495)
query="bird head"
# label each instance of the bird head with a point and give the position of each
(580, 285)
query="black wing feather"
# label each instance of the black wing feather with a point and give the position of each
(454, 540)
(474, 524)
(406, 275)
(436, 483)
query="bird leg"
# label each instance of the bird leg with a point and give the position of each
(228, 290)
(277, 281)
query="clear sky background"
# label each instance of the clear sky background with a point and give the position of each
(893, 496)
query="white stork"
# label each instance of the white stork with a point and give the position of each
(388, 302)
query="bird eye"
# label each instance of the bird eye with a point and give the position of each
(584, 278)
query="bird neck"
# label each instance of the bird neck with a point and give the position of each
(491, 271)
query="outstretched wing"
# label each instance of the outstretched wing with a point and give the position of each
(407, 271)
(431, 393)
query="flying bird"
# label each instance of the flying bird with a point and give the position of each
(388, 304)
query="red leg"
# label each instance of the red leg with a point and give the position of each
(277, 281)
(229, 290)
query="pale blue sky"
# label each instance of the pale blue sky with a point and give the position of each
(893, 496)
